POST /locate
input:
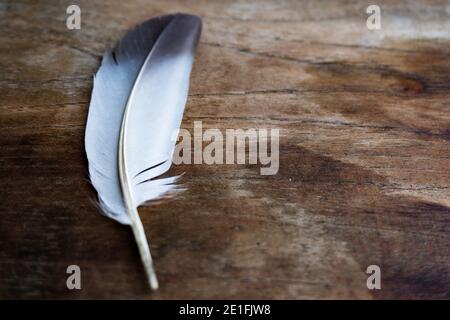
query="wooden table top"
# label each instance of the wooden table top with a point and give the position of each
(364, 174)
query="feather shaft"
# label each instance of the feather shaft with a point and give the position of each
(136, 223)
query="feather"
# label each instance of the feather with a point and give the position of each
(137, 104)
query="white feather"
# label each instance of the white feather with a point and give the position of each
(137, 103)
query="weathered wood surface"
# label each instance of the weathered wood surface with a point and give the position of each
(364, 154)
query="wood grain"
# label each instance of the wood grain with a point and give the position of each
(364, 154)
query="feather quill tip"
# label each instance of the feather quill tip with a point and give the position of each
(153, 281)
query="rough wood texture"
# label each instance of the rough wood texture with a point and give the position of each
(364, 154)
